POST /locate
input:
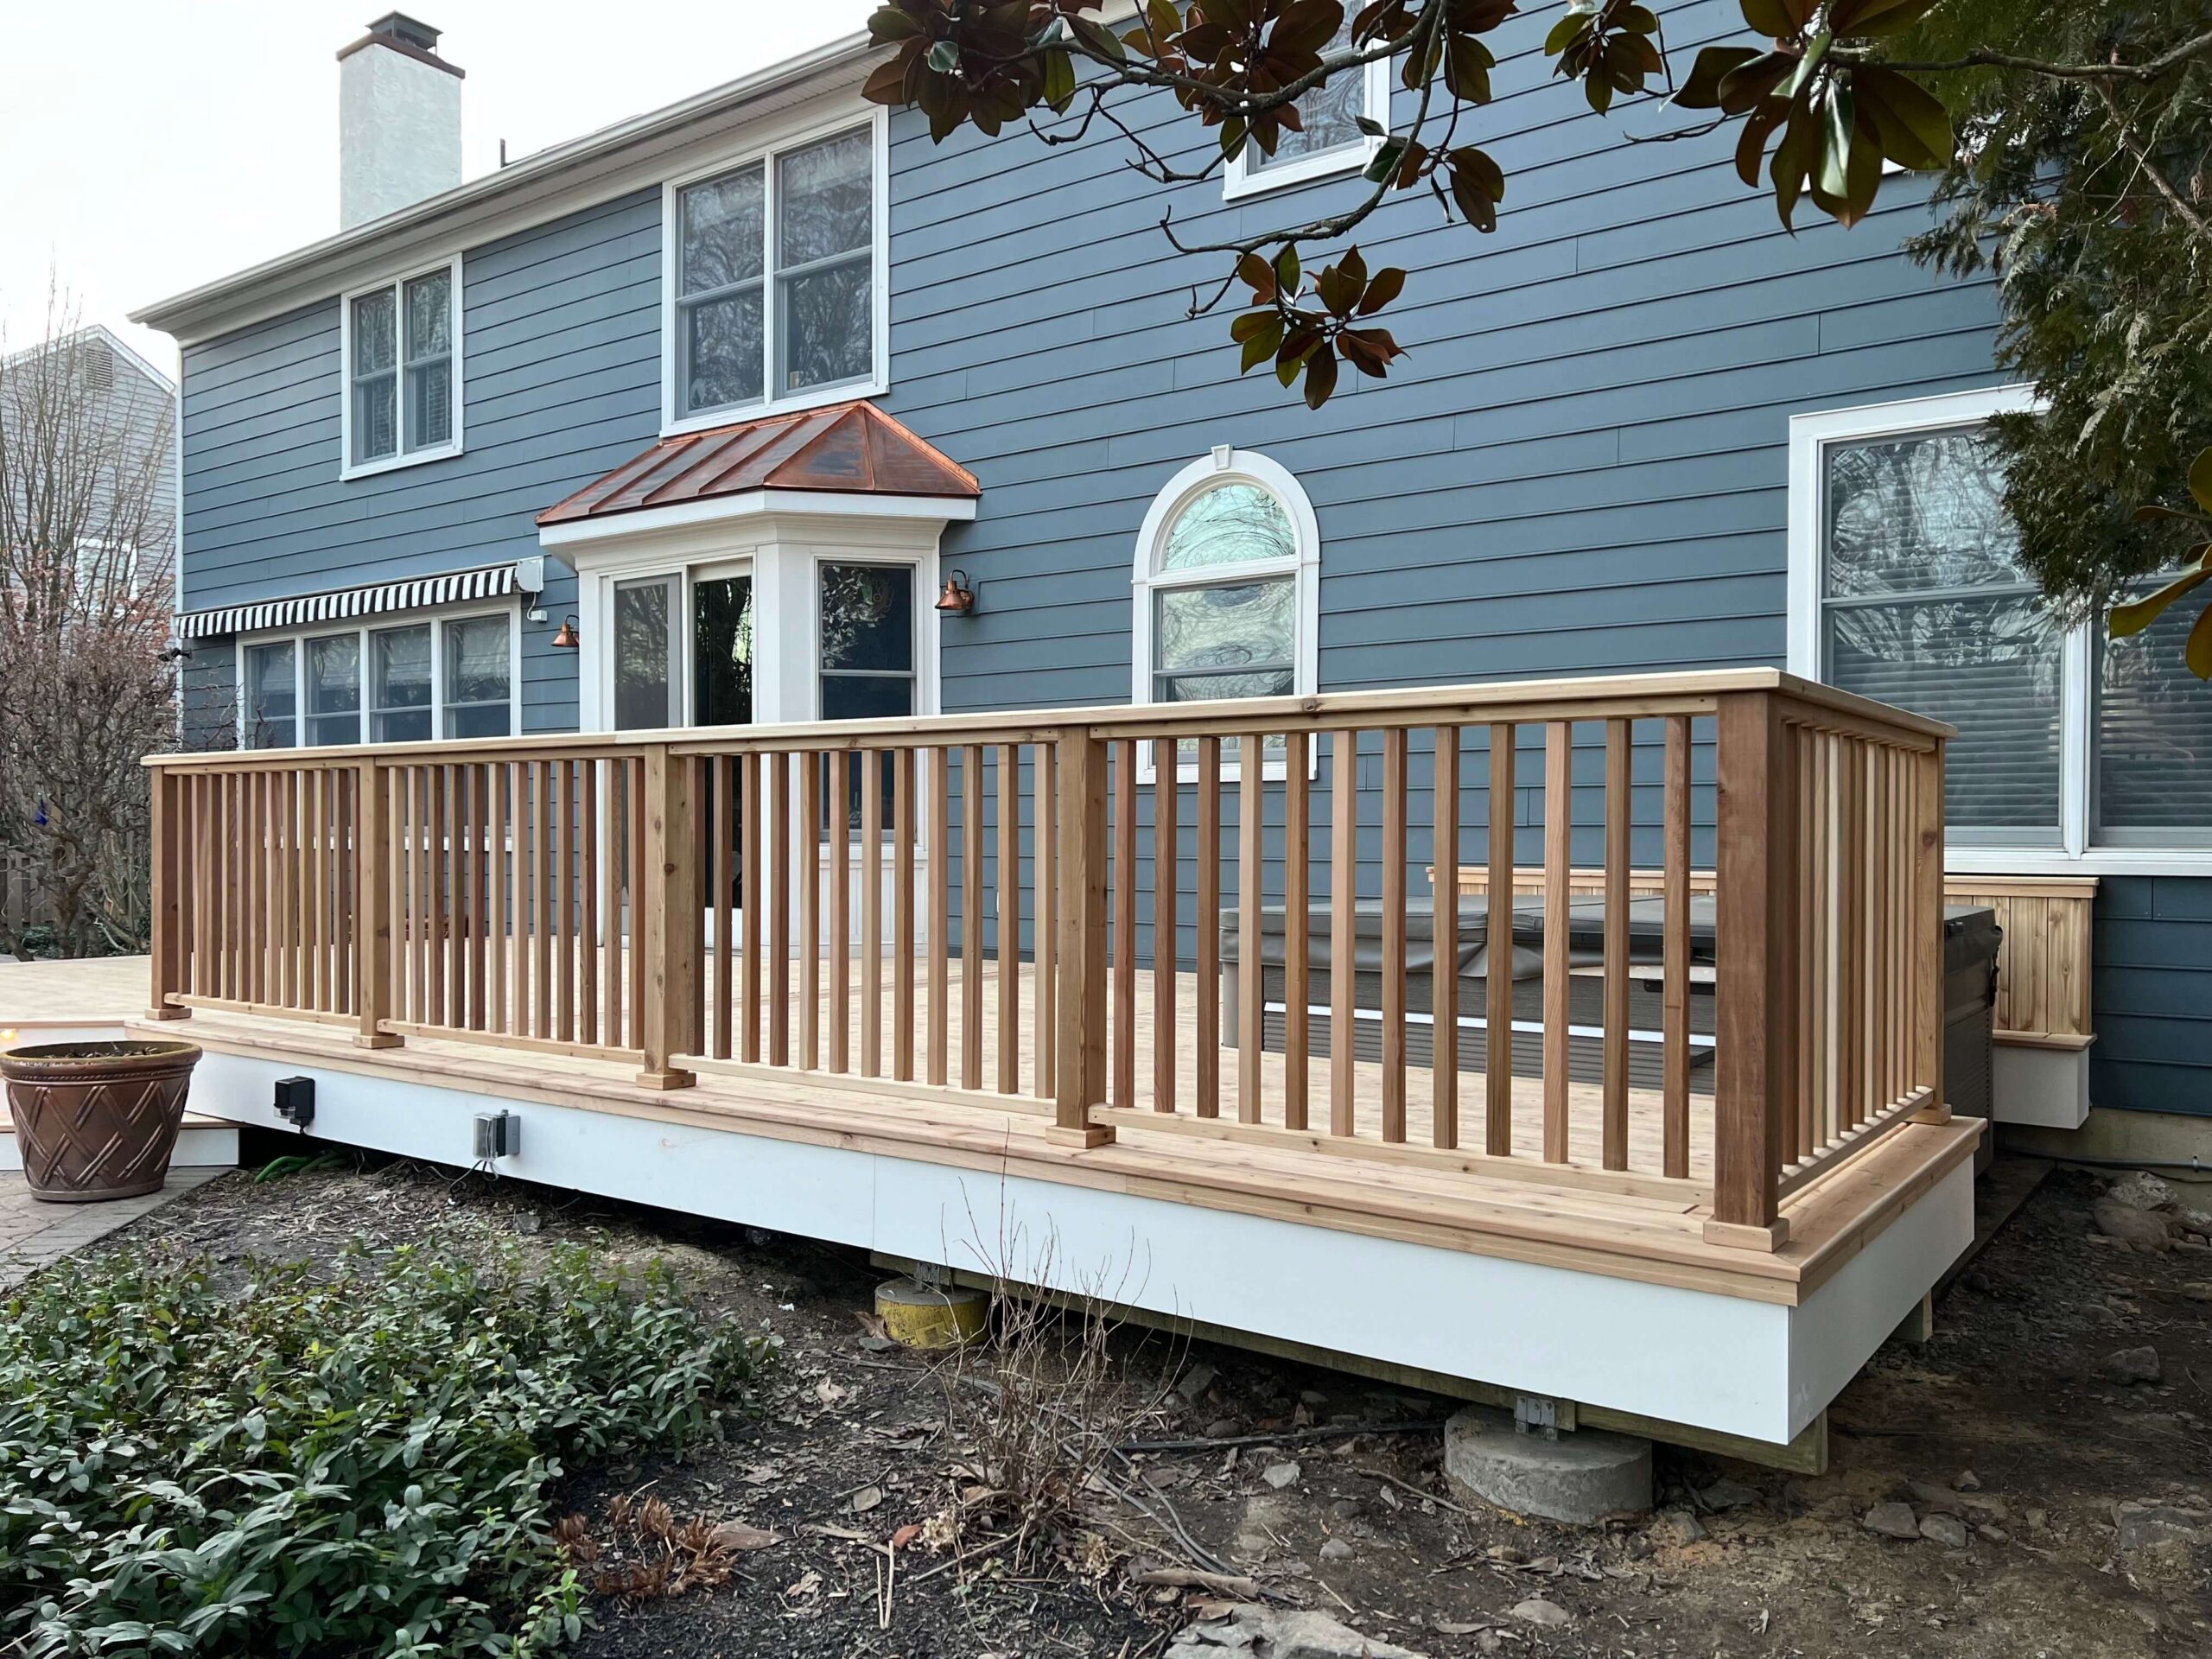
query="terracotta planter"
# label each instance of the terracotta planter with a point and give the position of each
(97, 1120)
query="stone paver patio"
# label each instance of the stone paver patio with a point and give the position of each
(33, 1234)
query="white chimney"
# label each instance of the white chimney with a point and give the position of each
(398, 120)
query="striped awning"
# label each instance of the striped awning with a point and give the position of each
(493, 581)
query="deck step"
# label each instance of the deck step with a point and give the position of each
(202, 1142)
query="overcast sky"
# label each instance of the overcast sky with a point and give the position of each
(148, 145)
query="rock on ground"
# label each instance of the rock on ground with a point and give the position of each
(2141, 1190)
(1279, 1475)
(1281, 1633)
(1892, 1520)
(1537, 1610)
(2146, 1230)
(2132, 1365)
(2144, 1525)
(1946, 1530)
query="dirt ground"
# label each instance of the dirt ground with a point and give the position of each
(2004, 1435)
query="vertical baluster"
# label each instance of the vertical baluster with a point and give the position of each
(1393, 935)
(1166, 948)
(1344, 903)
(1559, 855)
(1850, 929)
(778, 767)
(1756, 796)
(422, 1009)
(1497, 939)
(587, 883)
(718, 774)
(1206, 1026)
(939, 853)
(902, 913)
(1444, 931)
(499, 819)
(1926, 828)
(672, 918)
(1044, 858)
(1879, 960)
(1124, 1065)
(809, 914)
(1251, 852)
(549, 850)
(481, 833)
(840, 831)
(373, 940)
(1821, 1070)
(399, 880)
(564, 890)
(1296, 903)
(1009, 919)
(1617, 807)
(1080, 1081)
(752, 900)
(971, 917)
(871, 764)
(1674, 1057)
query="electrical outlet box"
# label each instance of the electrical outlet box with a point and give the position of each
(499, 1134)
(294, 1101)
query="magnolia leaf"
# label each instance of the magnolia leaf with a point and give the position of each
(1385, 160)
(1262, 342)
(1749, 82)
(1320, 376)
(1385, 286)
(1751, 147)
(1911, 123)
(1809, 64)
(2151, 512)
(2133, 619)
(1835, 151)
(2200, 479)
(1260, 275)
(2198, 652)
(1779, 18)
(888, 23)
(1286, 271)
(1702, 90)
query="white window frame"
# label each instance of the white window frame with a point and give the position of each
(396, 286)
(674, 420)
(363, 627)
(1241, 181)
(1226, 464)
(2076, 853)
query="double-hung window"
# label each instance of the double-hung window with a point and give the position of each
(2073, 749)
(775, 273)
(405, 683)
(1329, 140)
(867, 633)
(403, 371)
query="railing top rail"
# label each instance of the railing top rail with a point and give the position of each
(1585, 697)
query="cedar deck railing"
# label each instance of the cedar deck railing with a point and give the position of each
(594, 895)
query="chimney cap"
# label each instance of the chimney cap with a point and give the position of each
(409, 36)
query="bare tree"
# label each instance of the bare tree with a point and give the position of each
(86, 687)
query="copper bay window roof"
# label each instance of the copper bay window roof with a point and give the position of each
(842, 449)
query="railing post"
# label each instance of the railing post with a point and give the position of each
(1083, 993)
(1755, 1015)
(1927, 989)
(670, 930)
(372, 941)
(167, 943)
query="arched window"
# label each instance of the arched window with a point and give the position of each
(1227, 584)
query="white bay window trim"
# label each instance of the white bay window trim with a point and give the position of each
(1226, 464)
(396, 285)
(2077, 852)
(675, 418)
(363, 632)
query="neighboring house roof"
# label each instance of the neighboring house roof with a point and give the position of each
(846, 449)
(107, 337)
(625, 156)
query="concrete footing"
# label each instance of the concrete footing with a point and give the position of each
(930, 1316)
(1581, 1477)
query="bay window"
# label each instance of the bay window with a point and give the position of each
(2075, 751)
(776, 272)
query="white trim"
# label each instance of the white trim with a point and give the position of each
(755, 504)
(436, 617)
(1226, 464)
(1240, 181)
(2076, 853)
(876, 120)
(348, 468)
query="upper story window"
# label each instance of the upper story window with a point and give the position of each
(1329, 140)
(403, 371)
(776, 279)
(444, 677)
(1227, 584)
(1906, 587)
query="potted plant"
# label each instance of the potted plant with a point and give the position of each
(97, 1120)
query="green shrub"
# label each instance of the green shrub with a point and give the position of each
(350, 1465)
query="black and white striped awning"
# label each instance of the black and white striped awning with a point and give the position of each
(493, 581)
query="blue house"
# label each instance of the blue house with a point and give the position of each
(687, 425)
